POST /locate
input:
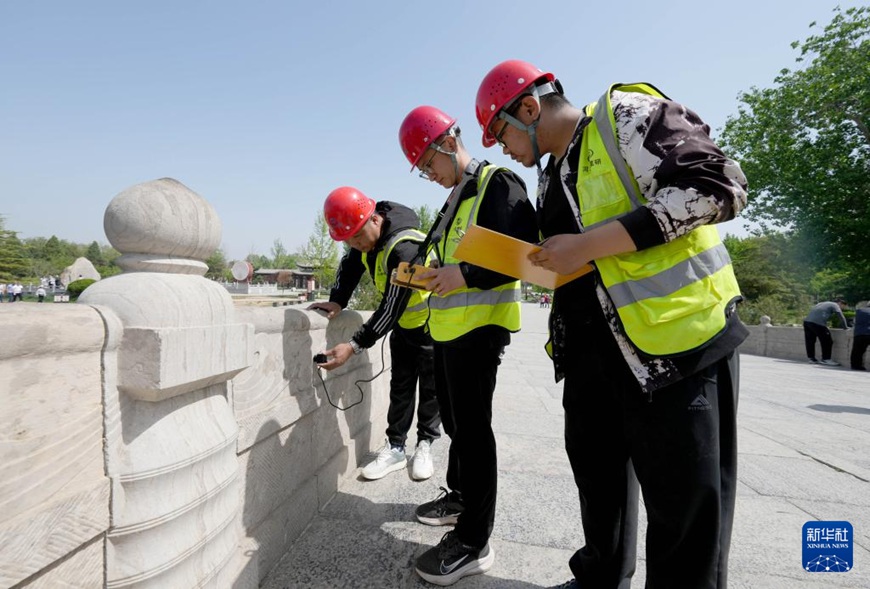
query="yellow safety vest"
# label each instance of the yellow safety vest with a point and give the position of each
(417, 311)
(671, 298)
(465, 309)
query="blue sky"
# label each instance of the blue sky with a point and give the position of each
(264, 107)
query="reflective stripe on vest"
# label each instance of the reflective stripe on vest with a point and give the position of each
(671, 298)
(474, 297)
(417, 311)
(466, 309)
(672, 279)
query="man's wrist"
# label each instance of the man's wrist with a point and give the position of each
(357, 349)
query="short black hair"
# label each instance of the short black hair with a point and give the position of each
(555, 101)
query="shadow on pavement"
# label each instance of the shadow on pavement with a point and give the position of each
(840, 409)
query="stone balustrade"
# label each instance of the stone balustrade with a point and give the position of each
(54, 492)
(157, 435)
(787, 342)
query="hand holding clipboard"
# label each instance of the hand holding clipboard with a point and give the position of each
(510, 256)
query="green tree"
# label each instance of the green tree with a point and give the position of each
(39, 265)
(49, 256)
(59, 253)
(109, 267)
(217, 265)
(805, 147)
(95, 254)
(427, 217)
(830, 283)
(52, 248)
(321, 253)
(13, 263)
(258, 260)
(281, 258)
(366, 296)
(767, 269)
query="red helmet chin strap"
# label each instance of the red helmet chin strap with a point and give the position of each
(421, 127)
(500, 87)
(536, 92)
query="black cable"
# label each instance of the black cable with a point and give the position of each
(356, 382)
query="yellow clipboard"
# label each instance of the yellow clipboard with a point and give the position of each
(508, 255)
(405, 275)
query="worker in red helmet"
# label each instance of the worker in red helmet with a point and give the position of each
(380, 236)
(647, 344)
(472, 314)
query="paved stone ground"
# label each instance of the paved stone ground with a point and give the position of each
(804, 438)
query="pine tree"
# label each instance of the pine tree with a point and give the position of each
(13, 263)
(95, 254)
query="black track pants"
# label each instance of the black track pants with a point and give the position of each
(681, 443)
(813, 331)
(412, 362)
(465, 380)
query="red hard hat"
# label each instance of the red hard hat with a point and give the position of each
(346, 210)
(421, 127)
(501, 85)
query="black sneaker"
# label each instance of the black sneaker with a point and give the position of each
(444, 511)
(451, 560)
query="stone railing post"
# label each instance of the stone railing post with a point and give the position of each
(170, 431)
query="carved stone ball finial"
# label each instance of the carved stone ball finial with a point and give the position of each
(162, 226)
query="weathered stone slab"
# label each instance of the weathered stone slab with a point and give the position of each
(83, 569)
(56, 527)
(273, 536)
(53, 488)
(274, 468)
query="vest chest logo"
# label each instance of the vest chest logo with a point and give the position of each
(591, 161)
(458, 223)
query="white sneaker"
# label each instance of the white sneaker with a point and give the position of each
(388, 460)
(829, 362)
(421, 465)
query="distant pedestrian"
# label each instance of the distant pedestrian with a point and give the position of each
(40, 294)
(816, 327)
(860, 335)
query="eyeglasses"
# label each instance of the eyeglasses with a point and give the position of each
(426, 169)
(511, 110)
(498, 138)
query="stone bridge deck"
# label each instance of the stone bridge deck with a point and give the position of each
(804, 438)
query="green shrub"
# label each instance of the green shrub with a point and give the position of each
(76, 287)
(366, 296)
(780, 310)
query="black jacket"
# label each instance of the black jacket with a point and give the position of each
(396, 218)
